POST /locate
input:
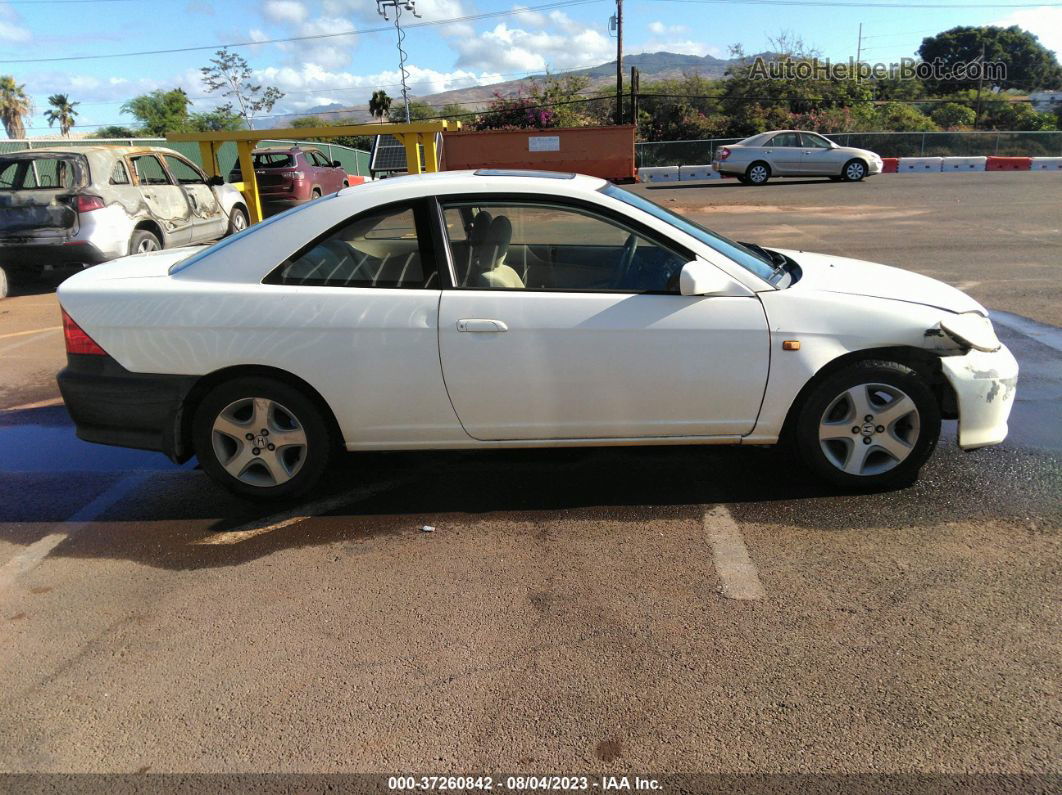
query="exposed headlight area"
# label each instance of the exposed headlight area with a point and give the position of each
(971, 330)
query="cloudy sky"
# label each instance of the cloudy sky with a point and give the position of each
(448, 48)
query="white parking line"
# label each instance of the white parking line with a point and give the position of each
(732, 562)
(294, 516)
(29, 331)
(40, 404)
(32, 555)
(24, 342)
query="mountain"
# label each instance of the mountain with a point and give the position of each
(651, 65)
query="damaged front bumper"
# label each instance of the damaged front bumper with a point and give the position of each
(984, 385)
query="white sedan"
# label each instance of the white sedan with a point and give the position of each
(519, 309)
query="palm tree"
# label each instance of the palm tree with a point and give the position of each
(62, 111)
(379, 104)
(15, 106)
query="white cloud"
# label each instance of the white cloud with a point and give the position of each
(1045, 22)
(560, 44)
(12, 32)
(286, 11)
(658, 28)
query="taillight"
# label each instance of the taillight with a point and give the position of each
(77, 341)
(724, 153)
(86, 204)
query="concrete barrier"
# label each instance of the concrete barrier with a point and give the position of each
(890, 165)
(1046, 164)
(690, 173)
(659, 174)
(996, 163)
(950, 165)
(919, 165)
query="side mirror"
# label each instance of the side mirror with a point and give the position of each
(215, 181)
(336, 164)
(701, 278)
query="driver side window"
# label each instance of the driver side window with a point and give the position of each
(540, 246)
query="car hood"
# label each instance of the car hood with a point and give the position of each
(833, 274)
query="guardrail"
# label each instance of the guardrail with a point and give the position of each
(886, 144)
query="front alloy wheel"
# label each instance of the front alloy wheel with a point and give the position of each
(870, 425)
(869, 429)
(261, 438)
(855, 170)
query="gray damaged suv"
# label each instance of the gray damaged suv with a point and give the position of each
(77, 206)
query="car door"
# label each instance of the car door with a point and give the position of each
(784, 154)
(565, 323)
(208, 218)
(819, 156)
(166, 201)
(326, 174)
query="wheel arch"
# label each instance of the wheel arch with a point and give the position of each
(921, 361)
(204, 385)
(148, 225)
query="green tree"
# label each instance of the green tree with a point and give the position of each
(901, 117)
(552, 102)
(230, 74)
(379, 105)
(215, 120)
(15, 106)
(950, 115)
(1029, 65)
(114, 131)
(160, 111)
(62, 111)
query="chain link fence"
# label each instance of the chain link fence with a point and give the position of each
(886, 144)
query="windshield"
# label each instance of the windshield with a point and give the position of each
(41, 173)
(745, 257)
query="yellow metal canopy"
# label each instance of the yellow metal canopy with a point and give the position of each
(412, 136)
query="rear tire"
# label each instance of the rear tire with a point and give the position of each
(143, 242)
(869, 426)
(248, 467)
(758, 173)
(237, 220)
(315, 194)
(4, 284)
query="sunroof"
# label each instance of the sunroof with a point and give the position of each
(516, 172)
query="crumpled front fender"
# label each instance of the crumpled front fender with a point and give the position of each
(984, 385)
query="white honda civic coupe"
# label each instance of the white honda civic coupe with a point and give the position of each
(519, 309)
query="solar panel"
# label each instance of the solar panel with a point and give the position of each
(389, 155)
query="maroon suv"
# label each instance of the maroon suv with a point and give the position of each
(293, 175)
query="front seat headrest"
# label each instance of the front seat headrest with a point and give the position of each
(495, 244)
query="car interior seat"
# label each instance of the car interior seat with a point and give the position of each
(490, 257)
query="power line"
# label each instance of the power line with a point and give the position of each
(313, 37)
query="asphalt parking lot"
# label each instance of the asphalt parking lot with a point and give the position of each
(573, 611)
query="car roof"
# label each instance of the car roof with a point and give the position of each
(96, 149)
(500, 180)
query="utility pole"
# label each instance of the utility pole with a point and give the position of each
(399, 6)
(619, 61)
(635, 80)
(859, 44)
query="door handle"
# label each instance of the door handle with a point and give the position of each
(475, 324)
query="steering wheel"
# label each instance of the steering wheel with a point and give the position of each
(626, 262)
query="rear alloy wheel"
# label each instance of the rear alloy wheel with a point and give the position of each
(4, 284)
(143, 242)
(758, 173)
(237, 220)
(871, 425)
(261, 438)
(854, 171)
(315, 194)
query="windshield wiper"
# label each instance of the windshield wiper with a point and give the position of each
(779, 261)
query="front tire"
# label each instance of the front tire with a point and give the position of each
(870, 426)
(758, 173)
(261, 438)
(854, 171)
